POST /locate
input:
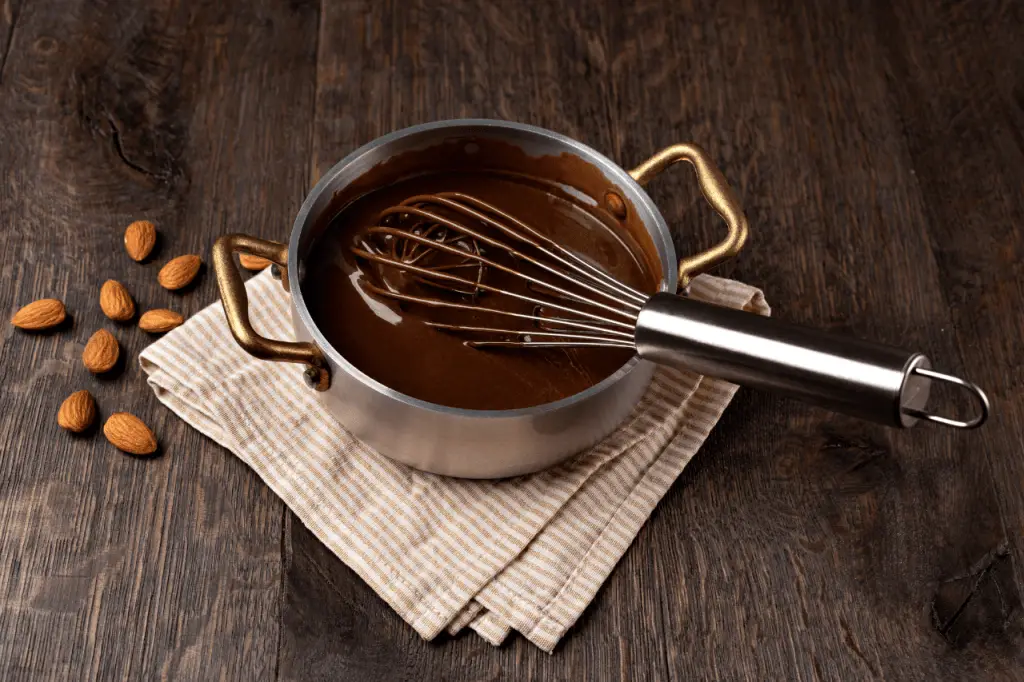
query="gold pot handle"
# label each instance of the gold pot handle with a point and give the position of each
(717, 192)
(236, 307)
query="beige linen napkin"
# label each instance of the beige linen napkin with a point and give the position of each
(527, 553)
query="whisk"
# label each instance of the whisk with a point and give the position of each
(451, 243)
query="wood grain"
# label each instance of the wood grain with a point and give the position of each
(964, 125)
(113, 567)
(879, 152)
(764, 542)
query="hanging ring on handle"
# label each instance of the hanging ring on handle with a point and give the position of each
(978, 394)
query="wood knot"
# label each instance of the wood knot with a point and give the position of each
(979, 602)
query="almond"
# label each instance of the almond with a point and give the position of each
(160, 320)
(179, 272)
(116, 302)
(139, 239)
(127, 433)
(101, 352)
(77, 412)
(254, 263)
(41, 314)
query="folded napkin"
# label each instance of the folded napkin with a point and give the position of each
(526, 553)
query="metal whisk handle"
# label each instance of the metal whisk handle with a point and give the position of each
(860, 378)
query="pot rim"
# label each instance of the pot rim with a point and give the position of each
(611, 169)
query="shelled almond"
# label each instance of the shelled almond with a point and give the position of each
(101, 352)
(116, 302)
(77, 412)
(179, 272)
(129, 434)
(254, 263)
(160, 320)
(42, 314)
(139, 239)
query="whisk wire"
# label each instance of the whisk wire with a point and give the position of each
(574, 261)
(592, 308)
(418, 211)
(455, 279)
(455, 201)
(441, 303)
(498, 266)
(566, 338)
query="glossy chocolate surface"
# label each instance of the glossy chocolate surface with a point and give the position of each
(389, 341)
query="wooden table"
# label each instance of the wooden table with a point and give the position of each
(879, 152)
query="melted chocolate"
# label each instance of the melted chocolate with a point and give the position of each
(389, 341)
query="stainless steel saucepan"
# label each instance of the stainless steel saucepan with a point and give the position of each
(866, 379)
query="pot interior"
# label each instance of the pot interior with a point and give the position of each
(423, 159)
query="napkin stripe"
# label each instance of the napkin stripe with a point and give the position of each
(527, 553)
(367, 484)
(365, 487)
(319, 482)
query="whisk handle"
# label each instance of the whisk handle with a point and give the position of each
(860, 378)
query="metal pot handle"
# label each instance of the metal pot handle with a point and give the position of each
(717, 192)
(236, 307)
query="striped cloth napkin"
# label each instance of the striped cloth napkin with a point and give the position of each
(526, 554)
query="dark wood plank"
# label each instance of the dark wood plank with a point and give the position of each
(194, 115)
(8, 22)
(799, 545)
(955, 76)
(879, 155)
(824, 532)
